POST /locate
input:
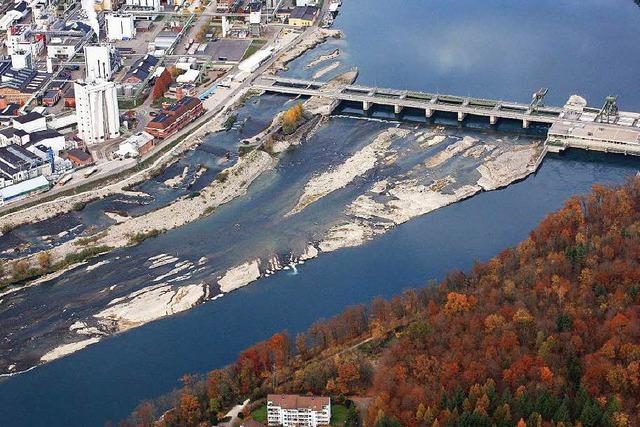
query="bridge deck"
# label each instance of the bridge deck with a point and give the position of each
(411, 99)
(570, 126)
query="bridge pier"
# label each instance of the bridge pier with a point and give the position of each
(461, 116)
(428, 112)
(397, 109)
(493, 120)
(525, 123)
(366, 105)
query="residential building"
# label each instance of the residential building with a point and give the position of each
(175, 117)
(291, 410)
(303, 16)
(97, 111)
(101, 61)
(120, 27)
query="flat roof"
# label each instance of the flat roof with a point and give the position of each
(595, 132)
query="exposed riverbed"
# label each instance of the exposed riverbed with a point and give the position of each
(420, 170)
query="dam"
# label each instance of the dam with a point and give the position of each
(575, 125)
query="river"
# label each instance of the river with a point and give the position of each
(493, 49)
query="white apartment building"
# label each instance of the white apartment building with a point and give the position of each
(99, 62)
(97, 111)
(291, 410)
(120, 27)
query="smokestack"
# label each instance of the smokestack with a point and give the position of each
(89, 7)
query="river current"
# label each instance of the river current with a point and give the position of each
(495, 49)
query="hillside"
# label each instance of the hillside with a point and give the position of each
(546, 333)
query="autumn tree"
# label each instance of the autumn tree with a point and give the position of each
(161, 85)
(44, 260)
(291, 118)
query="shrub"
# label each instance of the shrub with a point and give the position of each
(142, 236)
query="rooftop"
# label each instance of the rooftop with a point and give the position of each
(294, 401)
(29, 117)
(307, 13)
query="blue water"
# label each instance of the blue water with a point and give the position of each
(501, 49)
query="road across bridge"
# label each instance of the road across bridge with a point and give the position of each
(573, 125)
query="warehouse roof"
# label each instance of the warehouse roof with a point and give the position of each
(307, 13)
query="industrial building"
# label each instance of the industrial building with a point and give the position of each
(303, 16)
(30, 122)
(140, 70)
(164, 40)
(175, 117)
(63, 47)
(136, 145)
(252, 63)
(101, 61)
(120, 27)
(22, 189)
(14, 15)
(18, 85)
(23, 38)
(19, 164)
(97, 111)
(291, 410)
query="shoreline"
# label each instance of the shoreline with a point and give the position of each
(118, 316)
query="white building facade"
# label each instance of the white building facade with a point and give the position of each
(99, 61)
(147, 4)
(120, 27)
(97, 111)
(290, 410)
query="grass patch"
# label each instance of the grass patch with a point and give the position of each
(338, 415)
(229, 122)
(85, 241)
(83, 255)
(260, 414)
(255, 46)
(23, 273)
(222, 176)
(142, 236)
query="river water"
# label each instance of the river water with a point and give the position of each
(493, 49)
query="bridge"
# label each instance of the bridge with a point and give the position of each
(573, 125)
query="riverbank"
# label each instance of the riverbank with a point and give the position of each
(166, 295)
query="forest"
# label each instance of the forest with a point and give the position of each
(547, 333)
